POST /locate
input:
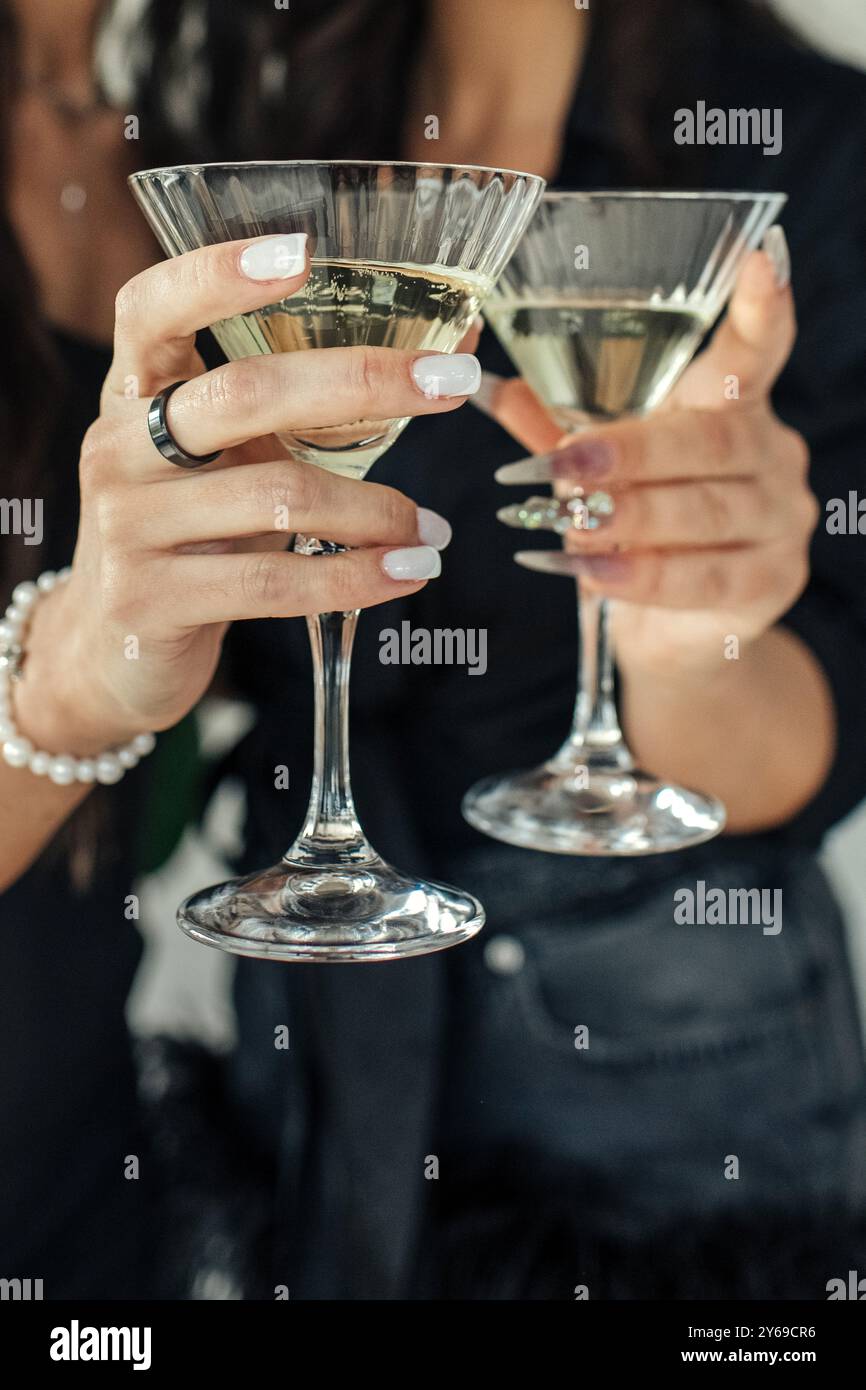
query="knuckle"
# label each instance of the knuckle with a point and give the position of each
(795, 451)
(367, 374)
(754, 580)
(291, 488)
(808, 511)
(92, 451)
(97, 454)
(720, 433)
(127, 302)
(109, 516)
(653, 586)
(343, 586)
(397, 515)
(715, 504)
(263, 579)
(714, 581)
(237, 387)
(118, 590)
(195, 270)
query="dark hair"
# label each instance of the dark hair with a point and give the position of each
(244, 106)
(323, 78)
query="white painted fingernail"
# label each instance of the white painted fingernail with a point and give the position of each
(775, 244)
(275, 258)
(415, 562)
(446, 374)
(433, 529)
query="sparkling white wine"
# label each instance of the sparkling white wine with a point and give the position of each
(596, 359)
(348, 303)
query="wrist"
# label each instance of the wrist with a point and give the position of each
(691, 671)
(57, 703)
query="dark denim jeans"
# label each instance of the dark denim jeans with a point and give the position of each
(723, 1073)
(663, 1057)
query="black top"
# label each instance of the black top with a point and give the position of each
(421, 736)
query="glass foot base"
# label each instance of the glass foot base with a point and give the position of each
(322, 912)
(607, 813)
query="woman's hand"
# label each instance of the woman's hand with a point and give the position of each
(712, 516)
(166, 558)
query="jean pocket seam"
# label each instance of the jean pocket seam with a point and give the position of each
(785, 1020)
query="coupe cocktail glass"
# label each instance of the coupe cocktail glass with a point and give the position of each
(403, 256)
(601, 308)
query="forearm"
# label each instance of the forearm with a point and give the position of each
(32, 810)
(758, 732)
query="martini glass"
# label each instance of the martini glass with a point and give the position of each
(402, 256)
(601, 308)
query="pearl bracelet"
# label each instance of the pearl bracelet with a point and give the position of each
(61, 768)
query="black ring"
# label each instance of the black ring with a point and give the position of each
(162, 436)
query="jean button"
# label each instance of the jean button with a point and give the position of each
(504, 955)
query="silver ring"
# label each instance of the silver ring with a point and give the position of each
(164, 439)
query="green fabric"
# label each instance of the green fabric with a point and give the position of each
(174, 794)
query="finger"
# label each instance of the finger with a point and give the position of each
(282, 496)
(707, 513)
(709, 578)
(159, 312)
(291, 392)
(276, 584)
(754, 340)
(679, 446)
(470, 340)
(511, 403)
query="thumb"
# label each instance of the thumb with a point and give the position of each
(754, 339)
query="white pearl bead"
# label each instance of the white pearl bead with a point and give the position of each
(46, 581)
(127, 757)
(63, 575)
(23, 595)
(15, 615)
(86, 770)
(62, 770)
(9, 632)
(143, 744)
(17, 750)
(108, 769)
(39, 762)
(7, 728)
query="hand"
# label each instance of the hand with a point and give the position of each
(713, 512)
(166, 558)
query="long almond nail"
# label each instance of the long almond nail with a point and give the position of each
(598, 567)
(275, 258)
(584, 459)
(775, 245)
(485, 397)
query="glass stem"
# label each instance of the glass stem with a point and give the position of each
(596, 740)
(331, 830)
